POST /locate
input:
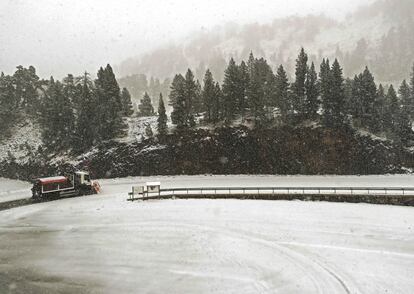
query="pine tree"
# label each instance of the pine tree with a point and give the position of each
(298, 87)
(348, 96)
(69, 88)
(400, 125)
(334, 104)
(379, 119)
(282, 93)
(311, 93)
(356, 107)
(8, 104)
(231, 90)
(197, 101)
(255, 94)
(368, 95)
(269, 91)
(85, 132)
(403, 127)
(216, 114)
(71, 95)
(250, 62)
(57, 117)
(393, 108)
(162, 118)
(191, 94)
(127, 109)
(208, 95)
(26, 83)
(242, 93)
(109, 105)
(338, 92)
(406, 99)
(145, 107)
(178, 102)
(325, 79)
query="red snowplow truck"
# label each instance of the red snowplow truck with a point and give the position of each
(77, 184)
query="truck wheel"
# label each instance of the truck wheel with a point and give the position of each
(35, 194)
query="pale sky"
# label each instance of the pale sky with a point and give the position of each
(60, 37)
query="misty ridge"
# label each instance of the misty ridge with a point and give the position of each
(379, 35)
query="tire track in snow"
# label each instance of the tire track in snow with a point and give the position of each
(298, 259)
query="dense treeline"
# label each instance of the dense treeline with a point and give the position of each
(75, 113)
(252, 92)
(78, 112)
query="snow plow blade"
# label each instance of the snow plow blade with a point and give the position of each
(96, 187)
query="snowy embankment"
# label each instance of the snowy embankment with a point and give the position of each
(13, 190)
(104, 244)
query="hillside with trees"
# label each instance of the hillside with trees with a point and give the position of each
(254, 121)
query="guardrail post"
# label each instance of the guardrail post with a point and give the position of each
(288, 191)
(403, 191)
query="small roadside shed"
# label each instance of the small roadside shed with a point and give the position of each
(143, 190)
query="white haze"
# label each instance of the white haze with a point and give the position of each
(60, 37)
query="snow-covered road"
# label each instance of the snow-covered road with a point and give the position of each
(104, 244)
(12, 190)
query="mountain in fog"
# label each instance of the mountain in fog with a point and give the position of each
(379, 35)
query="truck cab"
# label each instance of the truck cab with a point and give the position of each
(82, 178)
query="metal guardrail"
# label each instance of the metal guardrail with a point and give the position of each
(291, 190)
(373, 195)
(224, 191)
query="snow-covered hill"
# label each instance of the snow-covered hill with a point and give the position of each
(24, 140)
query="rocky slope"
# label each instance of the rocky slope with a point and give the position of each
(237, 150)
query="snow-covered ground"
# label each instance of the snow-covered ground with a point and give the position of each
(104, 244)
(13, 190)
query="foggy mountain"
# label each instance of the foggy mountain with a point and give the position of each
(378, 35)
